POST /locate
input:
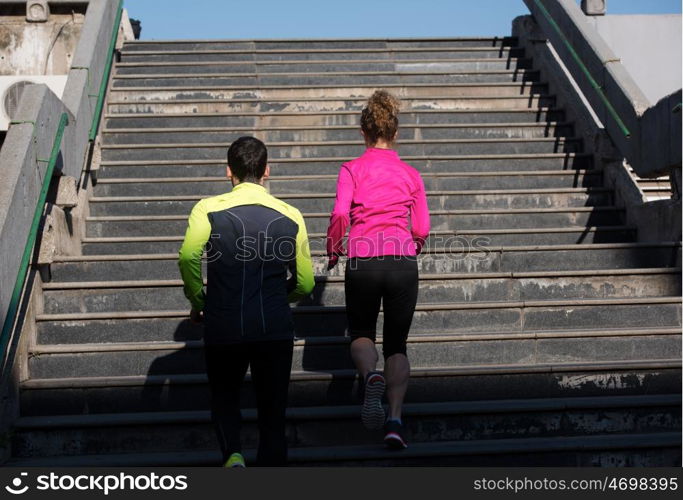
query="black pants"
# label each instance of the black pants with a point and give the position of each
(369, 282)
(271, 365)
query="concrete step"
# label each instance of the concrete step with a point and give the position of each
(440, 219)
(341, 151)
(336, 97)
(657, 196)
(477, 316)
(435, 422)
(312, 46)
(267, 58)
(283, 110)
(655, 189)
(140, 295)
(481, 238)
(148, 393)
(649, 449)
(435, 288)
(467, 73)
(257, 61)
(516, 100)
(316, 184)
(324, 202)
(261, 120)
(339, 133)
(140, 358)
(462, 259)
(489, 83)
(298, 166)
(496, 97)
(358, 68)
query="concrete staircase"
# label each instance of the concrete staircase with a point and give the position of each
(654, 189)
(545, 334)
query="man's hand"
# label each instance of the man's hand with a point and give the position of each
(197, 317)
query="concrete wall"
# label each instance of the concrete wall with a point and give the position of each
(32, 135)
(23, 176)
(649, 47)
(85, 77)
(612, 93)
(39, 48)
(655, 221)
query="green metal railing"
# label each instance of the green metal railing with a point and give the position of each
(32, 236)
(584, 69)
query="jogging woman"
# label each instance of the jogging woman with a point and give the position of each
(384, 200)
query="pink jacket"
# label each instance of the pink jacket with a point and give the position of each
(380, 193)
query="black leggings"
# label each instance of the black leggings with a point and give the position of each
(390, 279)
(271, 365)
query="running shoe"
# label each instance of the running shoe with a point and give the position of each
(235, 460)
(393, 435)
(372, 414)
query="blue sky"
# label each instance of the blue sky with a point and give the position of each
(168, 19)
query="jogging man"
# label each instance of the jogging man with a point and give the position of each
(252, 240)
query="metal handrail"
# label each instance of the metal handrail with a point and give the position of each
(32, 235)
(596, 86)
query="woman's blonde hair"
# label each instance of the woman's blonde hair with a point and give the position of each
(379, 118)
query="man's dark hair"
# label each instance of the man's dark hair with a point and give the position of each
(247, 159)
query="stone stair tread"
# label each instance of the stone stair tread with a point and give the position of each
(369, 452)
(445, 48)
(511, 173)
(518, 111)
(452, 232)
(527, 89)
(283, 62)
(144, 283)
(552, 123)
(334, 412)
(554, 210)
(347, 50)
(563, 367)
(295, 40)
(396, 71)
(511, 248)
(285, 196)
(420, 307)
(275, 161)
(46, 349)
(163, 145)
(162, 116)
(243, 87)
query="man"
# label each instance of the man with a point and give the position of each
(252, 239)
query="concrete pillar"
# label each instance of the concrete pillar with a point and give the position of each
(594, 7)
(37, 11)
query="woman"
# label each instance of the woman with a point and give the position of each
(384, 200)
